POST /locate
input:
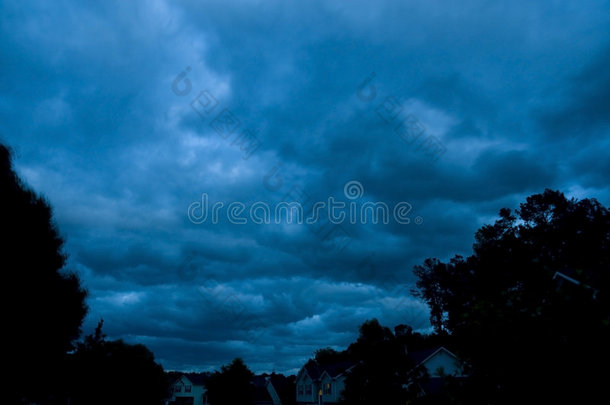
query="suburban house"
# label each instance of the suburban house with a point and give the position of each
(437, 362)
(188, 390)
(321, 383)
(324, 384)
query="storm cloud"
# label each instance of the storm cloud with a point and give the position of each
(115, 113)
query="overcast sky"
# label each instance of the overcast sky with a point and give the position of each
(124, 114)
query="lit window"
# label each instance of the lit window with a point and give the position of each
(328, 389)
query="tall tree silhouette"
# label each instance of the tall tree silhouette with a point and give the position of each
(381, 371)
(529, 309)
(231, 385)
(115, 372)
(44, 306)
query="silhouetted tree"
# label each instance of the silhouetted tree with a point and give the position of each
(329, 355)
(114, 372)
(381, 371)
(528, 332)
(231, 385)
(44, 305)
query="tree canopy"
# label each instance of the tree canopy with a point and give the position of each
(231, 385)
(45, 304)
(529, 308)
(381, 370)
(115, 372)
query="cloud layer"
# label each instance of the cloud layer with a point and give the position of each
(103, 125)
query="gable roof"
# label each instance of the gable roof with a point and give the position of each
(567, 274)
(576, 277)
(193, 378)
(261, 393)
(333, 370)
(421, 356)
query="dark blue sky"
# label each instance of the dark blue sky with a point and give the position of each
(516, 94)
